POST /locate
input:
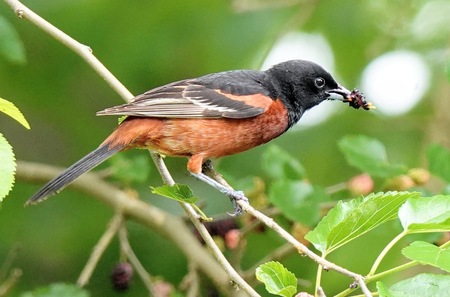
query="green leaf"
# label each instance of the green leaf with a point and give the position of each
(121, 119)
(57, 290)
(10, 109)
(130, 169)
(427, 214)
(177, 192)
(422, 285)
(298, 200)
(11, 46)
(279, 164)
(427, 253)
(277, 279)
(7, 167)
(349, 220)
(368, 155)
(439, 161)
(383, 290)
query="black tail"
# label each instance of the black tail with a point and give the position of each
(87, 163)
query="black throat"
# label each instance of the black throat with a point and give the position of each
(285, 93)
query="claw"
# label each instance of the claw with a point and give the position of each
(232, 194)
(234, 197)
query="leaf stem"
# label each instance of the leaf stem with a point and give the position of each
(336, 188)
(392, 270)
(399, 268)
(384, 252)
(318, 279)
(387, 272)
(381, 275)
(301, 248)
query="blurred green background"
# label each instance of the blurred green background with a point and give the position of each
(149, 43)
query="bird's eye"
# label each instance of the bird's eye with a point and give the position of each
(319, 82)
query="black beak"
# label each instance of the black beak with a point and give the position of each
(340, 93)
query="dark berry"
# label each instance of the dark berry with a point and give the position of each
(121, 276)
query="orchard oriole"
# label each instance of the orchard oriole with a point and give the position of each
(213, 116)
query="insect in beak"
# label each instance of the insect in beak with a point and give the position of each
(355, 98)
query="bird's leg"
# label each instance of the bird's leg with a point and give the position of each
(233, 194)
(214, 179)
(207, 169)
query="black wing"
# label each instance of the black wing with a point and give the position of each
(232, 94)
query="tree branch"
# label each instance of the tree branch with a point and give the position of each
(301, 248)
(85, 52)
(171, 227)
(99, 249)
(131, 256)
(10, 282)
(193, 216)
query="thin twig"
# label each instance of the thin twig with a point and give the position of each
(83, 51)
(235, 277)
(169, 226)
(99, 249)
(364, 287)
(86, 53)
(209, 241)
(10, 282)
(6, 266)
(131, 256)
(320, 292)
(191, 282)
(279, 253)
(301, 248)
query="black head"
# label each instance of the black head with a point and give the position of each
(302, 85)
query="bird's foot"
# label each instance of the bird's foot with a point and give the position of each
(232, 194)
(235, 196)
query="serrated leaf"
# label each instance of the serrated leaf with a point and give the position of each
(57, 290)
(439, 161)
(7, 167)
(349, 220)
(277, 279)
(297, 200)
(130, 169)
(368, 155)
(427, 214)
(177, 192)
(279, 164)
(10, 109)
(11, 46)
(319, 235)
(427, 253)
(422, 285)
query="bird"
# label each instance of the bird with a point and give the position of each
(212, 116)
